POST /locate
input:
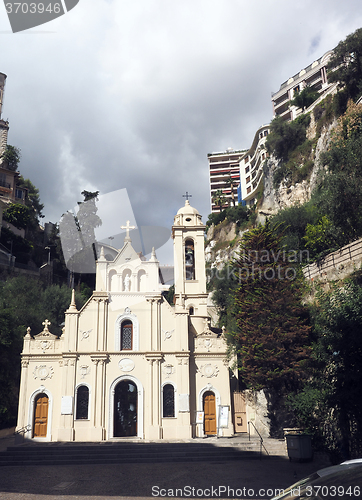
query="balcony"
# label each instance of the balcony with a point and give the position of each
(4, 184)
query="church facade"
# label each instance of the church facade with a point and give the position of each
(129, 364)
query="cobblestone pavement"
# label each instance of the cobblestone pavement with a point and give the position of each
(244, 479)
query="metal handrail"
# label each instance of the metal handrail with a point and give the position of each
(23, 430)
(261, 440)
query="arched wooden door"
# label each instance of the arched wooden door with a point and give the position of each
(209, 413)
(40, 424)
(125, 409)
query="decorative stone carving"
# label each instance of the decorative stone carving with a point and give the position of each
(168, 333)
(84, 370)
(208, 344)
(85, 335)
(168, 370)
(43, 372)
(44, 340)
(208, 370)
(126, 365)
(127, 310)
(44, 344)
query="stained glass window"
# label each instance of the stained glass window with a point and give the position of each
(168, 394)
(126, 336)
(82, 403)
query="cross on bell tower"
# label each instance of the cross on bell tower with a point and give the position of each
(187, 196)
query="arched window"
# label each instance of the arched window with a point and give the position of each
(168, 401)
(189, 260)
(191, 311)
(126, 335)
(81, 412)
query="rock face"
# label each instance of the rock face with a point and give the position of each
(286, 196)
(222, 240)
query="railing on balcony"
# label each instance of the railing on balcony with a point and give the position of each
(5, 184)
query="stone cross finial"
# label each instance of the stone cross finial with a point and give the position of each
(46, 323)
(127, 227)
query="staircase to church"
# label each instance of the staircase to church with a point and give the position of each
(208, 450)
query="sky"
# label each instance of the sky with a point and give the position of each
(133, 94)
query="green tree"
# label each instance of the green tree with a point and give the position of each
(11, 157)
(319, 238)
(285, 136)
(305, 98)
(337, 318)
(169, 294)
(219, 198)
(24, 302)
(32, 199)
(345, 66)
(272, 338)
(229, 182)
(338, 195)
(18, 215)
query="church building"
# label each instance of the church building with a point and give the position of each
(128, 363)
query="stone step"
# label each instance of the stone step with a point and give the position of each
(211, 449)
(75, 453)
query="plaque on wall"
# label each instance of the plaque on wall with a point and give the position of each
(184, 404)
(67, 405)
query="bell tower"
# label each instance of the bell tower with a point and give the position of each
(189, 261)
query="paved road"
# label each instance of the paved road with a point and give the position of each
(244, 479)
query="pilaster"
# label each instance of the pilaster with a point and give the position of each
(154, 430)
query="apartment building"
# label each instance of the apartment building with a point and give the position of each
(224, 173)
(9, 191)
(251, 166)
(314, 76)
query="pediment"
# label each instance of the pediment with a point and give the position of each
(127, 255)
(45, 334)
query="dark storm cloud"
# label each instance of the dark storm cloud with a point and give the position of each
(135, 94)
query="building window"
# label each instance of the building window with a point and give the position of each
(247, 170)
(248, 190)
(126, 335)
(189, 260)
(168, 401)
(82, 403)
(248, 179)
(191, 311)
(19, 193)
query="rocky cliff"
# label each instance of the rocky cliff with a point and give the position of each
(222, 240)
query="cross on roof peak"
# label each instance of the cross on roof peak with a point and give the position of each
(127, 227)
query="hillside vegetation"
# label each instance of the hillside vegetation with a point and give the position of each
(306, 356)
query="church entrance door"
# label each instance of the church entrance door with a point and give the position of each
(209, 413)
(125, 409)
(41, 416)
